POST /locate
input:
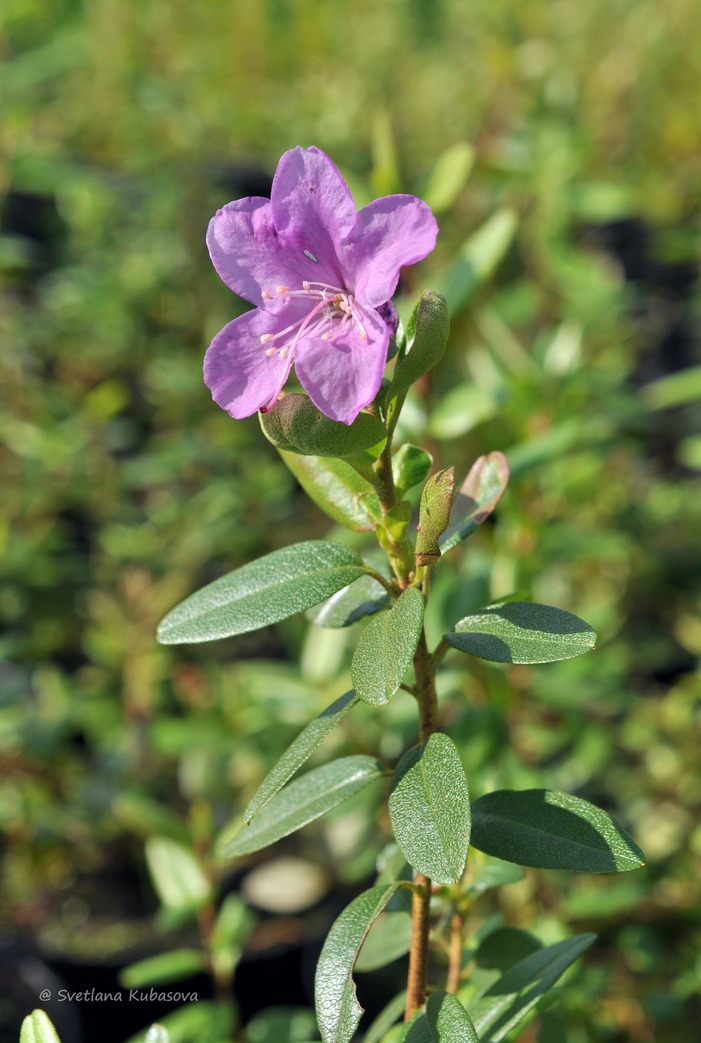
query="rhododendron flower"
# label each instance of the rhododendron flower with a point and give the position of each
(321, 275)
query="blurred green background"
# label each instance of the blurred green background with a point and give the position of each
(575, 350)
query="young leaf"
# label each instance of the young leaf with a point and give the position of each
(450, 172)
(477, 497)
(444, 1021)
(410, 467)
(337, 1009)
(389, 938)
(295, 755)
(363, 597)
(37, 1028)
(176, 873)
(522, 632)
(265, 591)
(429, 807)
(296, 425)
(167, 966)
(551, 830)
(494, 873)
(337, 489)
(430, 338)
(386, 648)
(477, 259)
(517, 991)
(303, 801)
(434, 515)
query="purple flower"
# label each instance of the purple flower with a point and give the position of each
(320, 274)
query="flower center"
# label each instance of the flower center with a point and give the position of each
(332, 312)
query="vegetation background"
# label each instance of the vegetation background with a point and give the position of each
(125, 125)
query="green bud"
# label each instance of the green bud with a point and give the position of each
(434, 515)
(295, 425)
(431, 328)
(410, 466)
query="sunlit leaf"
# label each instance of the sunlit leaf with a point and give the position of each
(522, 632)
(476, 499)
(386, 648)
(337, 489)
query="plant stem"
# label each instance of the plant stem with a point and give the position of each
(421, 901)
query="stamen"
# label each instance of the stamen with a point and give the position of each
(266, 338)
(284, 352)
(270, 351)
(282, 289)
(267, 296)
(326, 336)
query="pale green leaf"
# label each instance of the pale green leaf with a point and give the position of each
(447, 179)
(385, 1019)
(165, 967)
(522, 632)
(301, 749)
(364, 597)
(263, 592)
(389, 938)
(337, 1008)
(37, 1028)
(302, 801)
(430, 809)
(551, 830)
(386, 648)
(477, 259)
(410, 466)
(177, 875)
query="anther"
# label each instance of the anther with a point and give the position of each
(270, 351)
(326, 336)
(267, 296)
(266, 338)
(282, 289)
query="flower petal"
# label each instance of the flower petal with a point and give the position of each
(237, 370)
(313, 209)
(389, 233)
(248, 255)
(342, 375)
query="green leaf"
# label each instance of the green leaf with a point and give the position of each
(477, 497)
(303, 801)
(37, 1028)
(363, 597)
(176, 874)
(462, 409)
(430, 338)
(265, 591)
(296, 425)
(337, 1009)
(337, 489)
(157, 1034)
(429, 807)
(517, 991)
(477, 259)
(167, 966)
(551, 830)
(677, 389)
(295, 755)
(386, 648)
(282, 1025)
(447, 179)
(522, 632)
(389, 938)
(494, 873)
(444, 1021)
(385, 1019)
(410, 467)
(434, 515)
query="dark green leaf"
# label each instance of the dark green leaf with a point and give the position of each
(296, 425)
(386, 648)
(167, 966)
(302, 801)
(389, 938)
(338, 489)
(37, 1028)
(363, 597)
(410, 467)
(430, 809)
(337, 1009)
(430, 338)
(477, 259)
(444, 1021)
(263, 592)
(295, 755)
(434, 515)
(551, 830)
(477, 497)
(522, 632)
(517, 991)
